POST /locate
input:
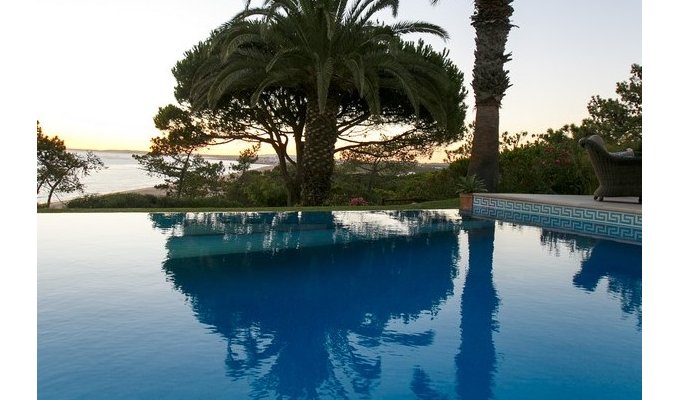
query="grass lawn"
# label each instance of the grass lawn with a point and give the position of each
(428, 205)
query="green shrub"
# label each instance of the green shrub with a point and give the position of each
(264, 190)
(115, 200)
(346, 186)
(553, 164)
(470, 184)
(136, 200)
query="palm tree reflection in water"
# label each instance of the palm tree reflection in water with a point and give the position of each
(476, 359)
(310, 322)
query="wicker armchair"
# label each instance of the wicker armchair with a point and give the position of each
(619, 174)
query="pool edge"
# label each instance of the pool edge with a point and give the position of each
(616, 220)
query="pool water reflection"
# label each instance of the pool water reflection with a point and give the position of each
(333, 305)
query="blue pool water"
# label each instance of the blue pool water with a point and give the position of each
(385, 305)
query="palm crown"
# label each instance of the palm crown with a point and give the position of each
(325, 48)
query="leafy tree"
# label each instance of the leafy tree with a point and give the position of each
(278, 117)
(328, 52)
(241, 179)
(618, 121)
(59, 171)
(378, 160)
(246, 158)
(173, 156)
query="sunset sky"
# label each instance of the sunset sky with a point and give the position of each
(105, 66)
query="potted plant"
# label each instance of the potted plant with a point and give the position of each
(465, 187)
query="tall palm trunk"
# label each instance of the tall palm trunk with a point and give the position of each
(321, 133)
(485, 142)
(489, 82)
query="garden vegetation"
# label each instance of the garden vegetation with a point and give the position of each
(550, 163)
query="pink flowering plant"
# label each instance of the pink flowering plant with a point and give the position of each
(358, 201)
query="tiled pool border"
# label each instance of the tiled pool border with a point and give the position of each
(608, 224)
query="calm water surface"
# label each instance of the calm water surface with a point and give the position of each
(399, 305)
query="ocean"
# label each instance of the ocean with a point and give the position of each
(122, 173)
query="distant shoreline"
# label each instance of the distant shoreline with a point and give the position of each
(263, 158)
(111, 151)
(264, 163)
(149, 190)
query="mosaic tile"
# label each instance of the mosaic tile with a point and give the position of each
(616, 225)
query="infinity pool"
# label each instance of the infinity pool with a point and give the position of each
(385, 305)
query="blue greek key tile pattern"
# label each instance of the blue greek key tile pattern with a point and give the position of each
(616, 225)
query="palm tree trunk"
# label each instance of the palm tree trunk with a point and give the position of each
(321, 133)
(491, 21)
(484, 156)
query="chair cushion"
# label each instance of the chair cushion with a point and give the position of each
(626, 153)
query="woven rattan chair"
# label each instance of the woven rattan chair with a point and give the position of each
(619, 174)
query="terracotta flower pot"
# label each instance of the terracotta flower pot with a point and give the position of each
(465, 202)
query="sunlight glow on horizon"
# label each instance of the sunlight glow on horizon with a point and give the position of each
(107, 66)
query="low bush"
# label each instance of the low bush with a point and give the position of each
(115, 200)
(553, 164)
(136, 200)
(358, 201)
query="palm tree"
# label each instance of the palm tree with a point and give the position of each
(491, 20)
(329, 50)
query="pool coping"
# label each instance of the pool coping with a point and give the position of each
(617, 219)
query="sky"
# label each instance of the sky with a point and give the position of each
(105, 66)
